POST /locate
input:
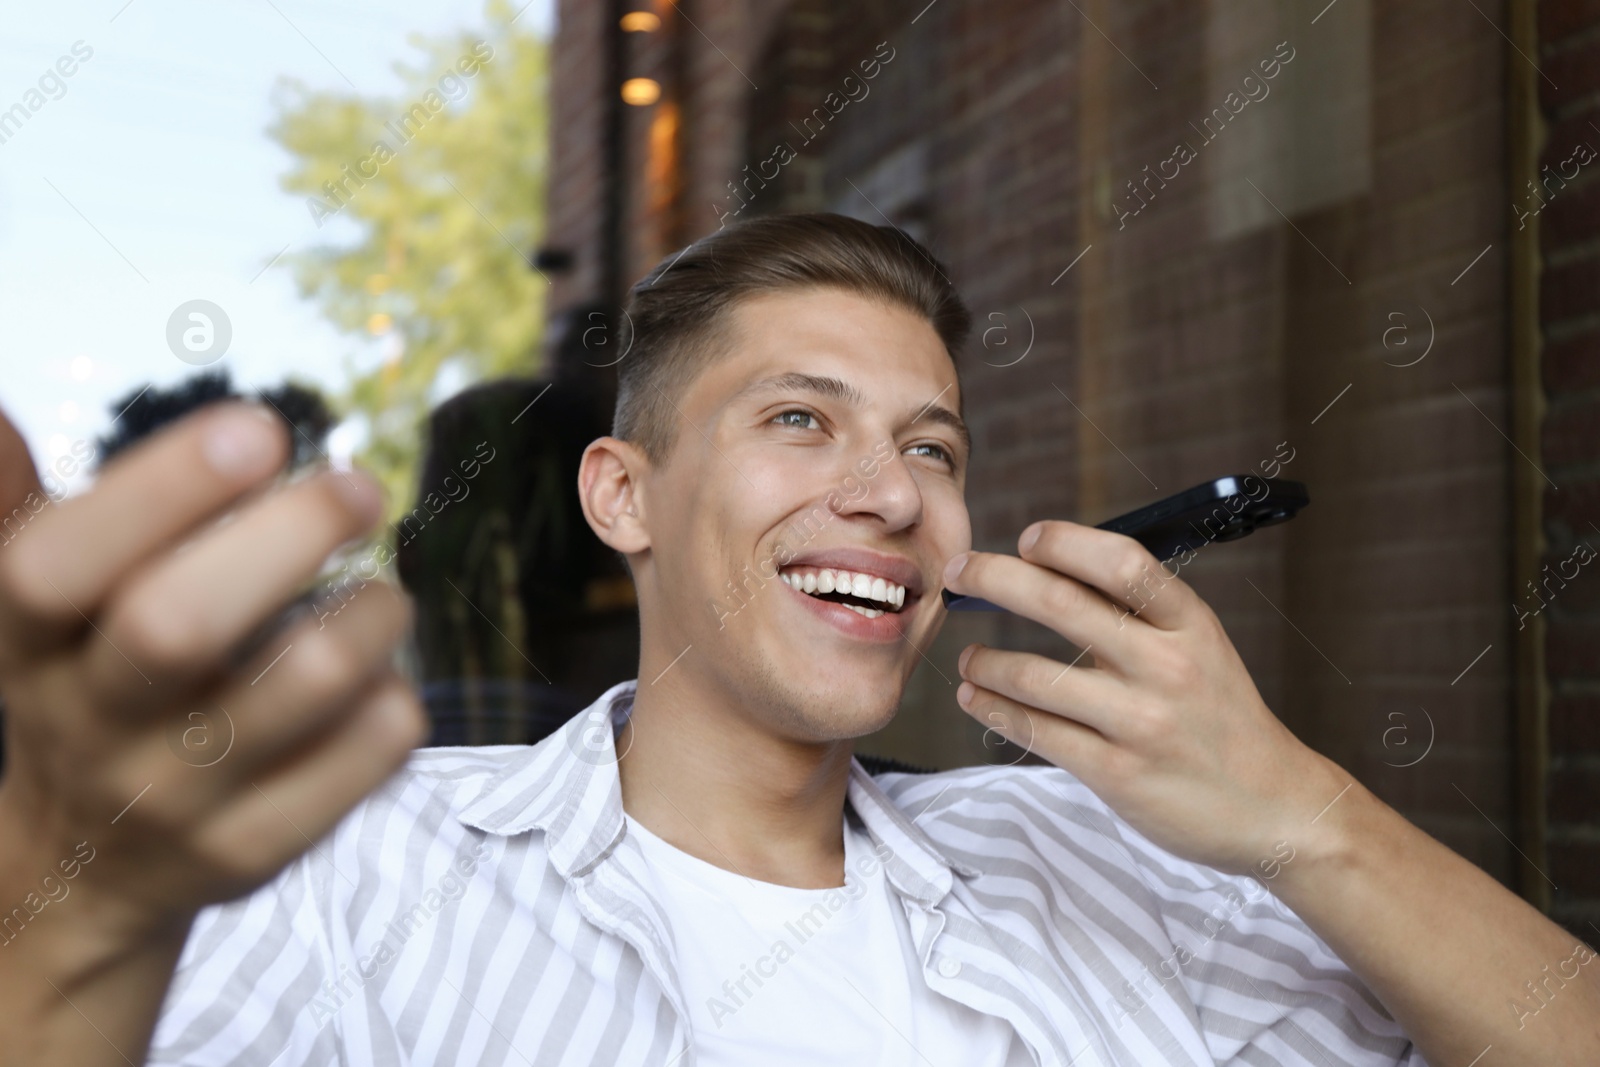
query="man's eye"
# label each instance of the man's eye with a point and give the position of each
(800, 420)
(938, 452)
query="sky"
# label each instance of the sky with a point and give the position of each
(146, 180)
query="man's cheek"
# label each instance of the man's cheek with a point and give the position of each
(946, 514)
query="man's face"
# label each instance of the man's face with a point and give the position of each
(826, 449)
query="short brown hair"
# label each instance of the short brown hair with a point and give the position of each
(679, 312)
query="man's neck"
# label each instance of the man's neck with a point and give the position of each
(704, 777)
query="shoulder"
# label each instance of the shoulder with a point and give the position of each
(457, 763)
(1016, 794)
(1038, 815)
(420, 802)
(410, 827)
(995, 817)
(436, 784)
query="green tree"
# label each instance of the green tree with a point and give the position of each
(445, 182)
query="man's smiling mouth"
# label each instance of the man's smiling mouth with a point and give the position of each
(864, 594)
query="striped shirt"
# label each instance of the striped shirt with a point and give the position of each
(486, 906)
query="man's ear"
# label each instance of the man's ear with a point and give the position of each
(611, 489)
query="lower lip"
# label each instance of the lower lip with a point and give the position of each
(889, 626)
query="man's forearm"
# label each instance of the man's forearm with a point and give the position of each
(1463, 964)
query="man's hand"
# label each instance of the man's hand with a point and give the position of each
(1167, 728)
(1160, 717)
(122, 612)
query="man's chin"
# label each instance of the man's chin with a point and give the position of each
(837, 710)
(818, 698)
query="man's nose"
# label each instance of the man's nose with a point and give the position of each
(885, 489)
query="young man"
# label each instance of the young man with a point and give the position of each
(695, 870)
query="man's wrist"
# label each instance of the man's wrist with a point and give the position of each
(72, 993)
(59, 921)
(1334, 840)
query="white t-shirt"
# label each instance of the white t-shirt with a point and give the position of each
(779, 976)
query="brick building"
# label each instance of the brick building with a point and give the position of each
(1202, 239)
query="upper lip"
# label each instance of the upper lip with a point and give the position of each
(896, 569)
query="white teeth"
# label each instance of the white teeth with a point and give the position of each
(865, 586)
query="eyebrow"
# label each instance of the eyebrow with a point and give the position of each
(841, 390)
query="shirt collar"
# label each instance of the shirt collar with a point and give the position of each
(567, 785)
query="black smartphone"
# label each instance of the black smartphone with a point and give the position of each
(1223, 509)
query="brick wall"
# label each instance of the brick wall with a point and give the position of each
(1195, 336)
(574, 208)
(1569, 236)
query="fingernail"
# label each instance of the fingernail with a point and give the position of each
(966, 654)
(953, 568)
(1029, 537)
(243, 442)
(964, 693)
(361, 493)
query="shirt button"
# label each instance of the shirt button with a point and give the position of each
(949, 967)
